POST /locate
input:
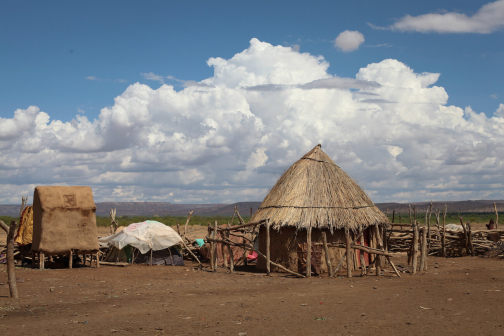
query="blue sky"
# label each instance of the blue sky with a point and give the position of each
(69, 60)
(49, 48)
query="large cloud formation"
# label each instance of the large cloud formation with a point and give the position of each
(229, 137)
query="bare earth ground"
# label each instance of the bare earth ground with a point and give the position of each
(463, 296)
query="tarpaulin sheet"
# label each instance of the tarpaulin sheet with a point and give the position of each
(144, 236)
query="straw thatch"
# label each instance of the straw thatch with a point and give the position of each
(315, 192)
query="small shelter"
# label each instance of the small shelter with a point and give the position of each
(152, 236)
(64, 222)
(312, 198)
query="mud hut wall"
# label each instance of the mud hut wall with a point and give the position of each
(284, 246)
(64, 220)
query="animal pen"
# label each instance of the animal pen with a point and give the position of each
(442, 240)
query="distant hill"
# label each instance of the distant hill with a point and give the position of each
(170, 209)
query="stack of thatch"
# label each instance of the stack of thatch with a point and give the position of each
(315, 192)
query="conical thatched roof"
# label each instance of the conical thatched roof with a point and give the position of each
(315, 192)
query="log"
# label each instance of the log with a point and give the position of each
(237, 227)
(268, 260)
(119, 264)
(326, 252)
(308, 253)
(348, 253)
(393, 266)
(98, 259)
(70, 260)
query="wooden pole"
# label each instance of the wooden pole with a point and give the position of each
(415, 247)
(171, 257)
(465, 234)
(378, 260)
(348, 253)
(70, 260)
(212, 242)
(268, 255)
(443, 236)
(428, 226)
(362, 260)
(410, 218)
(41, 260)
(326, 252)
(393, 215)
(344, 255)
(11, 266)
(469, 237)
(308, 253)
(414, 212)
(194, 256)
(215, 247)
(178, 229)
(423, 257)
(496, 217)
(151, 256)
(231, 256)
(339, 265)
(187, 222)
(98, 259)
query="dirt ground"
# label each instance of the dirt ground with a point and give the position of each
(463, 296)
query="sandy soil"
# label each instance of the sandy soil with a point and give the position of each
(463, 296)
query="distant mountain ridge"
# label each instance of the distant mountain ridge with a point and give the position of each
(170, 209)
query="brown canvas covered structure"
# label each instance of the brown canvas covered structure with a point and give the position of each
(313, 193)
(64, 220)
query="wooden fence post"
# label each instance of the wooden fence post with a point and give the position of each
(423, 256)
(496, 217)
(215, 247)
(11, 266)
(326, 252)
(348, 253)
(268, 255)
(308, 253)
(415, 247)
(443, 237)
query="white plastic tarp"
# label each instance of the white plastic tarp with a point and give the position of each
(144, 236)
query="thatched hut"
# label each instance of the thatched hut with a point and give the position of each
(315, 194)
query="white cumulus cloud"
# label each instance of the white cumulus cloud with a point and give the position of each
(349, 40)
(229, 137)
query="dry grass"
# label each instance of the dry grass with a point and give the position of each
(315, 192)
